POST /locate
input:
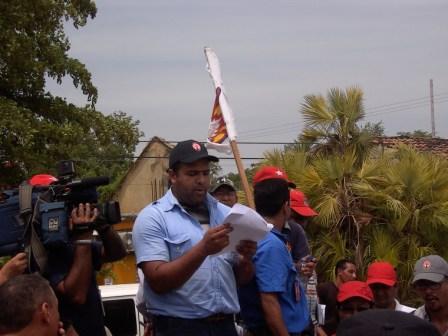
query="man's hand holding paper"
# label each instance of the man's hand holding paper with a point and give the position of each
(248, 228)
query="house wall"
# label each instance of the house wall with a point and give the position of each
(145, 182)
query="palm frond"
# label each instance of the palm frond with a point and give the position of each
(328, 207)
(315, 112)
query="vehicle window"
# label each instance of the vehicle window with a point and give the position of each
(120, 317)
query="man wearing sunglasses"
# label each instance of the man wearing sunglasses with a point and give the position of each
(431, 283)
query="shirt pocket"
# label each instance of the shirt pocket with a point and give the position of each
(178, 246)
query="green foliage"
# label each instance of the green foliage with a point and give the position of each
(34, 46)
(38, 129)
(372, 205)
(415, 134)
(333, 122)
(374, 129)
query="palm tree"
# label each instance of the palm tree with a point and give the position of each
(372, 205)
(332, 123)
(340, 149)
(410, 209)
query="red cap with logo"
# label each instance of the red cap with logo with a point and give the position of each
(351, 289)
(270, 172)
(42, 180)
(381, 272)
(299, 203)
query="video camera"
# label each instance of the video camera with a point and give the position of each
(51, 206)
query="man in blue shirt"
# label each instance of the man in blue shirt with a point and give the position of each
(190, 288)
(273, 303)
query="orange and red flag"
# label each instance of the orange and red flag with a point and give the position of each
(221, 129)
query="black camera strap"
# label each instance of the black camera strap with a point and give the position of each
(25, 200)
(34, 246)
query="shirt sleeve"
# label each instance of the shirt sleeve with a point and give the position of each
(271, 273)
(322, 293)
(60, 262)
(58, 265)
(148, 236)
(97, 257)
(300, 242)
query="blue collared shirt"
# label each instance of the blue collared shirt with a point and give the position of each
(164, 231)
(274, 273)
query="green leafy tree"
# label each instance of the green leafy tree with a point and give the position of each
(375, 129)
(415, 134)
(38, 129)
(34, 46)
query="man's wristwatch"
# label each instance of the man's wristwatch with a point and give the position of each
(83, 242)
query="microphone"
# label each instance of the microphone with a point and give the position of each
(89, 182)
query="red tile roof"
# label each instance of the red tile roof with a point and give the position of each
(434, 145)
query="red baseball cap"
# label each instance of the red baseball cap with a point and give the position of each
(299, 203)
(351, 289)
(381, 272)
(270, 172)
(42, 180)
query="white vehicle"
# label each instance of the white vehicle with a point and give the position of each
(121, 315)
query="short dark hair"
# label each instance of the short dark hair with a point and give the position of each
(340, 265)
(20, 297)
(270, 195)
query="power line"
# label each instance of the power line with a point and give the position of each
(285, 128)
(376, 110)
(273, 132)
(404, 101)
(269, 128)
(407, 107)
(164, 157)
(243, 142)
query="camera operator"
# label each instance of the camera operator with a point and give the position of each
(71, 271)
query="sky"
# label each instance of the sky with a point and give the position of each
(146, 59)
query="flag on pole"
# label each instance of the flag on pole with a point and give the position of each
(222, 131)
(222, 124)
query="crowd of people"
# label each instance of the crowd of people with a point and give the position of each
(192, 286)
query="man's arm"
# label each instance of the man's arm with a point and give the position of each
(13, 267)
(76, 284)
(114, 248)
(244, 269)
(165, 276)
(273, 314)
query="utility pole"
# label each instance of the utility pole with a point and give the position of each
(433, 123)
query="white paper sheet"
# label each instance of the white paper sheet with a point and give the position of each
(247, 224)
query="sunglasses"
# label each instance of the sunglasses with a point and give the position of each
(424, 284)
(348, 308)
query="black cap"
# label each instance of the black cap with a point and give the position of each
(189, 151)
(385, 322)
(222, 181)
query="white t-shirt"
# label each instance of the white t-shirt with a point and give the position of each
(403, 308)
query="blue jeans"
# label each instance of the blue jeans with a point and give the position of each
(173, 326)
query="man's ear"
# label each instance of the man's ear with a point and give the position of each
(45, 312)
(171, 176)
(287, 210)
